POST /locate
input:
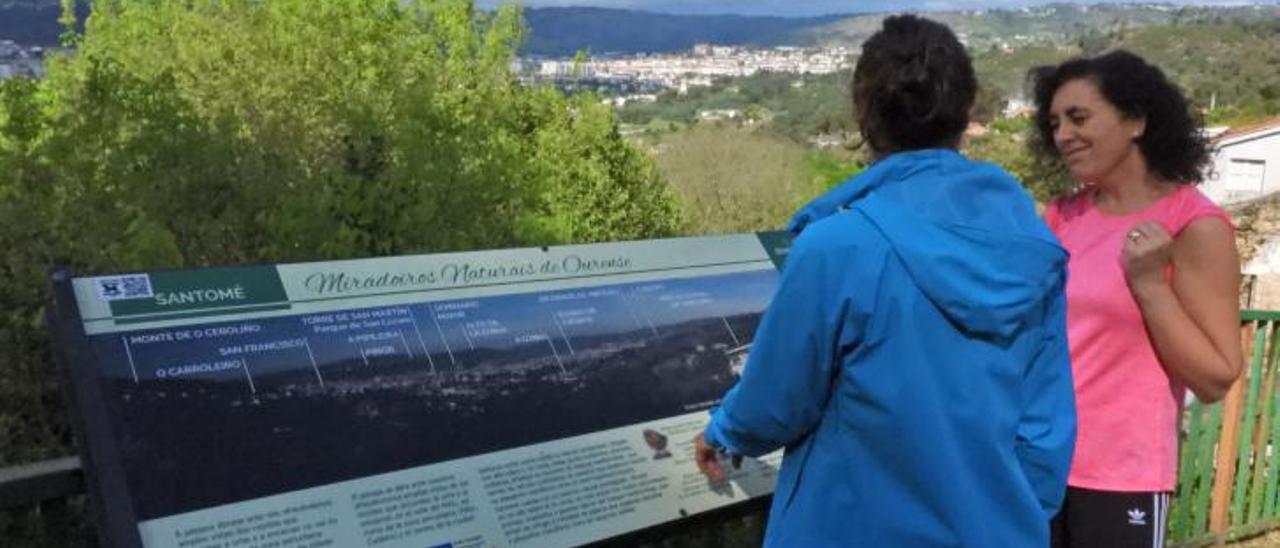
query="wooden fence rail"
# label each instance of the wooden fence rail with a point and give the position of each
(1229, 479)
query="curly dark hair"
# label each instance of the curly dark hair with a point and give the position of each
(913, 86)
(1173, 142)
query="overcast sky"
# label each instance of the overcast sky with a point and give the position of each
(799, 8)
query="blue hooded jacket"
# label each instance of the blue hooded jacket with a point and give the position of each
(914, 364)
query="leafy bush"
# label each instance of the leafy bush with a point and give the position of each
(186, 134)
(1006, 144)
(730, 179)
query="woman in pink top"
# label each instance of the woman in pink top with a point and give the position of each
(1152, 291)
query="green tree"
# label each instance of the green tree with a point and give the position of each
(732, 179)
(1006, 144)
(185, 134)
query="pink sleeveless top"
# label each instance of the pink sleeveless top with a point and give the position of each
(1128, 409)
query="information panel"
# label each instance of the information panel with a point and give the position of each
(528, 397)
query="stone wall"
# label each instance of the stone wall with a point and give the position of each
(1258, 240)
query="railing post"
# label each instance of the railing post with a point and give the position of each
(1228, 446)
(1262, 434)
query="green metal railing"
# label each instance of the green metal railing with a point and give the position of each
(1229, 479)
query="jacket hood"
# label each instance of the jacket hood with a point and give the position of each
(965, 231)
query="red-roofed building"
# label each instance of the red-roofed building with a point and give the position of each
(1246, 163)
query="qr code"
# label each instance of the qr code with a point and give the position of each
(137, 286)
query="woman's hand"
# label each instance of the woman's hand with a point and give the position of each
(1146, 256)
(1193, 319)
(707, 458)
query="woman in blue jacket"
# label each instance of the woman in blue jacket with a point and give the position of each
(914, 361)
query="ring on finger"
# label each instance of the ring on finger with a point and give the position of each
(1134, 235)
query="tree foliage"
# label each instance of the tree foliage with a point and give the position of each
(731, 179)
(203, 132)
(1005, 144)
(801, 106)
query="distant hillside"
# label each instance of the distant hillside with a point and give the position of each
(1235, 66)
(1050, 24)
(564, 31)
(1232, 64)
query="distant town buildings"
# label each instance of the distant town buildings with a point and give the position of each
(698, 66)
(1018, 106)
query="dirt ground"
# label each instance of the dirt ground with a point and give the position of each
(1269, 540)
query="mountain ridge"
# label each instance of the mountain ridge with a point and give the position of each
(563, 31)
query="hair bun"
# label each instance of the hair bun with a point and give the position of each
(913, 86)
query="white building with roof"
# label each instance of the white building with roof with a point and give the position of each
(1246, 163)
